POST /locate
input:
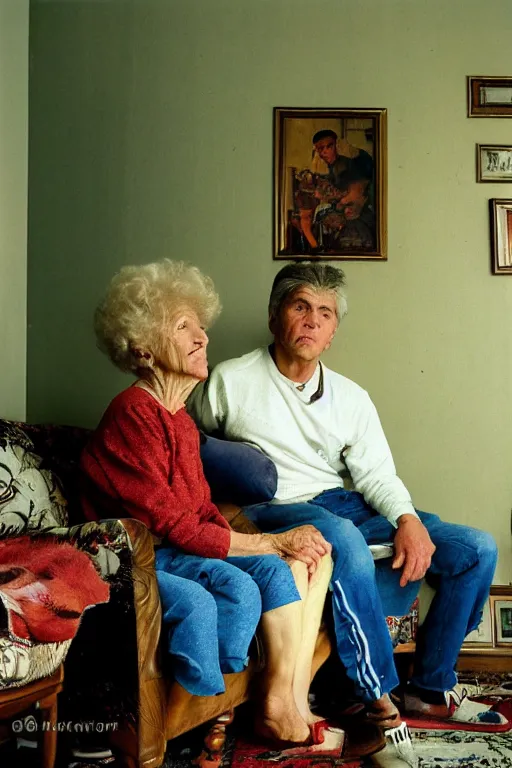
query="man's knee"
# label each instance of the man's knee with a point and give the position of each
(460, 548)
(486, 545)
(330, 525)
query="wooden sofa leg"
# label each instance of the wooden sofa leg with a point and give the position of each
(48, 708)
(211, 754)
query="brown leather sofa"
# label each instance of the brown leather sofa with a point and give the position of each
(166, 710)
(106, 677)
(100, 667)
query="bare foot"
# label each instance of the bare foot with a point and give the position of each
(280, 719)
(310, 718)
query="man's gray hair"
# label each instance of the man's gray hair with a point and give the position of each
(139, 303)
(319, 277)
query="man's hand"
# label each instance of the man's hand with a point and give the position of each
(413, 549)
(304, 543)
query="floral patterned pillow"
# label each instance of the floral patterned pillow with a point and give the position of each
(30, 497)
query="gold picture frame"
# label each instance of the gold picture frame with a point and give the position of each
(489, 96)
(500, 213)
(330, 184)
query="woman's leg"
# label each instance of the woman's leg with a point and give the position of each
(313, 592)
(235, 595)
(281, 629)
(189, 615)
(363, 641)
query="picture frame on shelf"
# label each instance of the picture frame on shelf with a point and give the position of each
(501, 605)
(482, 637)
(500, 213)
(493, 163)
(330, 184)
(489, 96)
(494, 633)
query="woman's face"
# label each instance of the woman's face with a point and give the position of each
(187, 347)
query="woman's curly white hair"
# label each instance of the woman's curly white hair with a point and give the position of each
(141, 300)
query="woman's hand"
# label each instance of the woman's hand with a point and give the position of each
(305, 544)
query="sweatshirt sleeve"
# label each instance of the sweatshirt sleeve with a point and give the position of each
(207, 404)
(371, 466)
(128, 460)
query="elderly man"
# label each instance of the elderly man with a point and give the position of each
(318, 427)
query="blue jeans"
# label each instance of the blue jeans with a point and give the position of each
(364, 592)
(211, 609)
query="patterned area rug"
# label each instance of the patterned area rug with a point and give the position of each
(460, 749)
(435, 749)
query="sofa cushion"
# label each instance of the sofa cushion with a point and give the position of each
(237, 472)
(59, 447)
(30, 497)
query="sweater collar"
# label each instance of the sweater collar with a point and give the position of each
(309, 391)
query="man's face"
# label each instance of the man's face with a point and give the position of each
(306, 324)
(352, 201)
(326, 149)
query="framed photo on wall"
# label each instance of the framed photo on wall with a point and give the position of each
(489, 96)
(330, 184)
(501, 605)
(493, 162)
(501, 236)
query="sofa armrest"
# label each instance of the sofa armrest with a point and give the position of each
(236, 518)
(149, 740)
(147, 600)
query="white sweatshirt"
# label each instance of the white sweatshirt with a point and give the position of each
(312, 445)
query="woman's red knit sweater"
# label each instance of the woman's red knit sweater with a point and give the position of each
(144, 462)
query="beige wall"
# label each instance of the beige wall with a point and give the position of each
(13, 205)
(151, 135)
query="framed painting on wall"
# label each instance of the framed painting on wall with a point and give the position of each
(330, 184)
(493, 162)
(489, 96)
(501, 236)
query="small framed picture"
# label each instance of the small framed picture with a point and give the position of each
(482, 636)
(494, 632)
(501, 604)
(489, 96)
(493, 162)
(501, 236)
(330, 183)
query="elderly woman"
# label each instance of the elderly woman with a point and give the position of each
(144, 457)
